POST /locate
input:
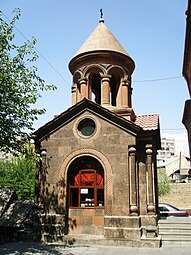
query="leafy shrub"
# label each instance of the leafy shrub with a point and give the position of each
(19, 173)
(163, 183)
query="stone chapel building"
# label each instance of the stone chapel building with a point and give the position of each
(97, 174)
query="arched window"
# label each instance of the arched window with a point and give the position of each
(96, 88)
(113, 91)
(86, 183)
(114, 87)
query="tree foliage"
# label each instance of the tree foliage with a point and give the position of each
(20, 86)
(19, 173)
(163, 183)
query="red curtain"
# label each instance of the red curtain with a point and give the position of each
(88, 179)
(99, 180)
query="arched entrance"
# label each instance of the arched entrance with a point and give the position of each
(85, 196)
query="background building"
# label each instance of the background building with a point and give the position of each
(176, 168)
(167, 148)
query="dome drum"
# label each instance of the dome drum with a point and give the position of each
(104, 57)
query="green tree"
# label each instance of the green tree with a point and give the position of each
(163, 183)
(19, 173)
(20, 87)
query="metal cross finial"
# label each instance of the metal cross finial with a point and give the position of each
(101, 13)
(101, 16)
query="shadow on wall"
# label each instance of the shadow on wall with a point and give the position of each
(71, 224)
(50, 196)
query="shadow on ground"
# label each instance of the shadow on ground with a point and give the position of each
(30, 248)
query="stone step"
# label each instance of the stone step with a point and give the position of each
(176, 238)
(170, 235)
(176, 220)
(173, 224)
(177, 231)
(176, 243)
(185, 225)
(83, 239)
(178, 234)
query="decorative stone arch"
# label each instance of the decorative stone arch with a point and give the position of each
(114, 69)
(94, 68)
(76, 92)
(117, 74)
(120, 86)
(93, 74)
(77, 75)
(107, 177)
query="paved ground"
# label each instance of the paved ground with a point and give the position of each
(31, 248)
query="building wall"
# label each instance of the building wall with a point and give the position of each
(187, 120)
(181, 164)
(110, 145)
(187, 73)
(179, 195)
(167, 148)
(109, 140)
(128, 163)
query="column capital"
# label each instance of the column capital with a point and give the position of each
(74, 87)
(83, 80)
(43, 153)
(132, 150)
(43, 158)
(149, 150)
(125, 82)
(105, 77)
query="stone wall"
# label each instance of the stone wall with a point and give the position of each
(67, 143)
(179, 196)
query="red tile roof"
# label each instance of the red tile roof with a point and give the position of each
(148, 121)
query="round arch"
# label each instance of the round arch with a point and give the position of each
(107, 177)
(94, 69)
(117, 74)
(116, 71)
(77, 75)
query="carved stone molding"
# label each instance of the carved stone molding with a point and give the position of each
(133, 184)
(107, 174)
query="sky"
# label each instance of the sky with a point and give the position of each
(152, 32)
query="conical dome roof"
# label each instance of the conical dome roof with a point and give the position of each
(101, 39)
(101, 46)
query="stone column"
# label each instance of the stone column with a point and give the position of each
(133, 191)
(83, 88)
(130, 96)
(74, 99)
(150, 197)
(105, 89)
(125, 93)
(142, 180)
(43, 176)
(37, 182)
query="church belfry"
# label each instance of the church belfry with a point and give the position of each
(98, 171)
(102, 71)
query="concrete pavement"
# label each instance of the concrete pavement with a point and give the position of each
(31, 248)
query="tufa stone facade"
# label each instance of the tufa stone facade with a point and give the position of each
(186, 71)
(97, 174)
